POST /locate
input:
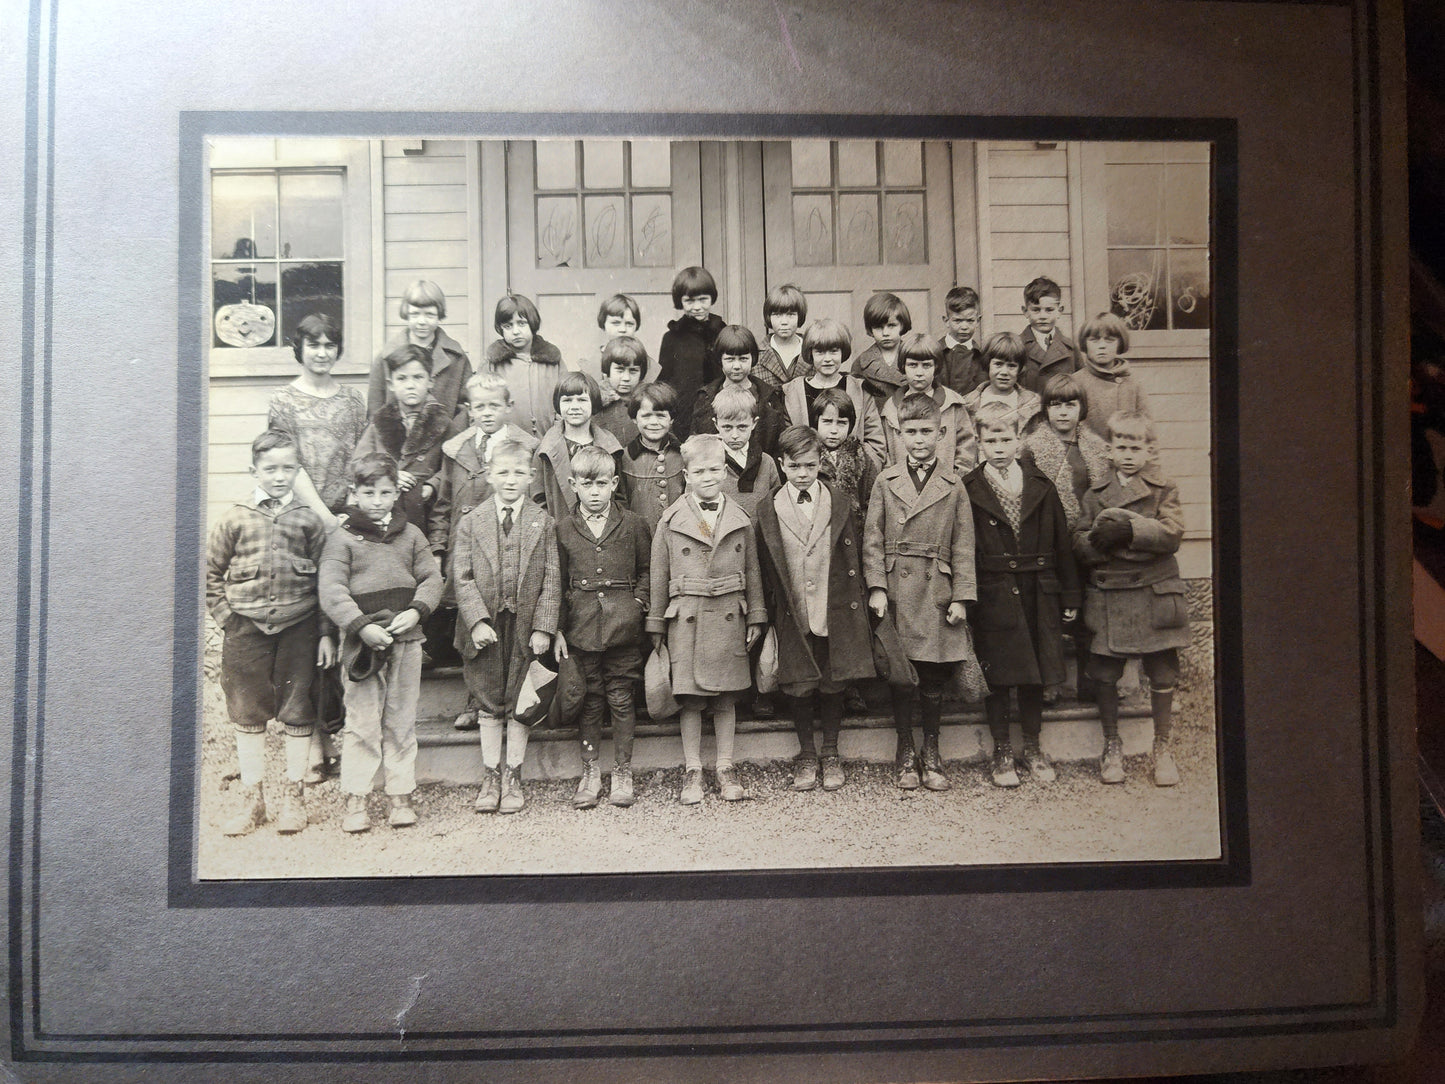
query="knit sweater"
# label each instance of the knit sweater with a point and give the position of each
(366, 568)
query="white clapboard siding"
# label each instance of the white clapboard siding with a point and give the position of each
(1028, 223)
(1178, 390)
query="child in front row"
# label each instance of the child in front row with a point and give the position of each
(809, 550)
(509, 596)
(1003, 356)
(378, 583)
(918, 563)
(624, 364)
(785, 312)
(604, 552)
(410, 427)
(652, 473)
(707, 606)
(751, 473)
(1028, 585)
(261, 563)
(574, 399)
(1134, 600)
(886, 320)
(685, 359)
(920, 359)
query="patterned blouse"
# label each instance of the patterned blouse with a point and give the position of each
(326, 429)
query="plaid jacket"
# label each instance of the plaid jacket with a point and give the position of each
(262, 565)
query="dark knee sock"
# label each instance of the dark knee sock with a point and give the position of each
(1031, 712)
(930, 710)
(1107, 697)
(902, 708)
(801, 708)
(832, 718)
(995, 710)
(1162, 703)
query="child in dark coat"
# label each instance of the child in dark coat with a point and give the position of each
(624, 364)
(1027, 583)
(685, 359)
(1047, 350)
(410, 428)
(652, 473)
(963, 368)
(737, 353)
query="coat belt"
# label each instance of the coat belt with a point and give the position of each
(706, 586)
(593, 585)
(1015, 562)
(1113, 579)
(908, 548)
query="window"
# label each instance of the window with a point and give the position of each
(603, 203)
(858, 203)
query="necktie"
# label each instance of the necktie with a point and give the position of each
(804, 496)
(708, 506)
(507, 520)
(482, 447)
(272, 504)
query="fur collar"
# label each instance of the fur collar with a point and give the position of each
(707, 329)
(428, 430)
(358, 524)
(499, 354)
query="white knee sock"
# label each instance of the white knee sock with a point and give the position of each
(315, 751)
(298, 753)
(690, 719)
(251, 757)
(491, 734)
(724, 726)
(516, 743)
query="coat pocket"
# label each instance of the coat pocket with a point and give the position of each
(1168, 608)
(241, 573)
(997, 607)
(304, 566)
(1049, 584)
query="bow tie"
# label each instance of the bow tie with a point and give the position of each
(708, 506)
(918, 468)
(804, 496)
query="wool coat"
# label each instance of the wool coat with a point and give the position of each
(614, 417)
(1029, 411)
(1134, 599)
(771, 370)
(706, 591)
(605, 581)
(530, 383)
(685, 361)
(1025, 582)
(963, 367)
(418, 451)
(957, 443)
(770, 411)
(881, 377)
(462, 481)
(553, 467)
(850, 640)
(758, 477)
(651, 480)
(450, 371)
(1049, 453)
(867, 425)
(1040, 364)
(1109, 389)
(918, 546)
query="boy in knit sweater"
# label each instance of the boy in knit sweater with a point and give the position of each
(378, 583)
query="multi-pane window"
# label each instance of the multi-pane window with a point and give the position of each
(603, 203)
(1157, 195)
(277, 252)
(858, 202)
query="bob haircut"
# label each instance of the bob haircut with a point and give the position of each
(513, 451)
(1006, 346)
(693, 282)
(997, 416)
(618, 305)
(703, 448)
(1041, 288)
(1064, 389)
(270, 441)
(920, 347)
(481, 383)
(661, 396)
(313, 329)
(960, 299)
(1105, 326)
(422, 294)
(836, 398)
(884, 307)
(826, 334)
(735, 339)
(592, 462)
(734, 404)
(371, 468)
(1132, 423)
(797, 441)
(918, 406)
(405, 355)
(577, 383)
(784, 298)
(627, 351)
(512, 305)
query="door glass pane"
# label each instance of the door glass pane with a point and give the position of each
(813, 230)
(651, 163)
(811, 165)
(1136, 282)
(858, 228)
(243, 215)
(857, 163)
(602, 163)
(902, 164)
(652, 231)
(244, 304)
(308, 288)
(907, 237)
(556, 163)
(557, 231)
(1189, 288)
(1135, 196)
(606, 231)
(310, 215)
(1186, 198)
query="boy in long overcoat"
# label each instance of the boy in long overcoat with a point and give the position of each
(809, 550)
(1028, 585)
(918, 561)
(1134, 602)
(707, 605)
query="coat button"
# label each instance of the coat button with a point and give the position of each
(1041, 562)
(1015, 590)
(1013, 564)
(847, 541)
(466, 508)
(600, 596)
(739, 548)
(993, 523)
(904, 573)
(584, 583)
(852, 572)
(599, 572)
(902, 519)
(727, 617)
(852, 605)
(689, 620)
(685, 551)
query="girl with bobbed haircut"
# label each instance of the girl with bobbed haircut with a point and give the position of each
(512, 305)
(421, 294)
(530, 364)
(826, 334)
(422, 308)
(312, 329)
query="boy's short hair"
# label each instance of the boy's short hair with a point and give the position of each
(702, 447)
(921, 347)
(1105, 326)
(735, 339)
(511, 305)
(734, 404)
(311, 329)
(798, 440)
(997, 416)
(1041, 288)
(577, 382)
(960, 299)
(368, 469)
(784, 298)
(592, 462)
(423, 293)
(661, 396)
(826, 334)
(880, 308)
(1006, 346)
(618, 305)
(513, 450)
(481, 383)
(625, 350)
(836, 398)
(1063, 388)
(693, 282)
(405, 355)
(269, 441)
(1132, 423)
(919, 406)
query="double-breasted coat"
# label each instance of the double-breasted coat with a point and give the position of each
(706, 589)
(1025, 581)
(918, 546)
(605, 581)
(957, 443)
(850, 641)
(1134, 598)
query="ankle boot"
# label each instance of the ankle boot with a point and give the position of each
(589, 787)
(402, 814)
(906, 762)
(621, 786)
(512, 797)
(357, 819)
(1111, 764)
(933, 777)
(1004, 772)
(292, 817)
(251, 815)
(490, 796)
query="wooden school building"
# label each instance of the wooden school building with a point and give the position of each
(296, 226)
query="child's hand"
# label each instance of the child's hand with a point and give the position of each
(878, 602)
(326, 652)
(658, 639)
(957, 613)
(427, 491)
(483, 635)
(540, 643)
(754, 631)
(403, 622)
(1070, 614)
(374, 636)
(331, 522)
(405, 479)
(560, 647)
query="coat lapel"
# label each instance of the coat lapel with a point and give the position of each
(770, 531)
(529, 522)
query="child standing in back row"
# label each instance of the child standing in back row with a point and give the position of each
(1047, 350)
(574, 398)
(1105, 380)
(624, 364)
(886, 319)
(529, 364)
(920, 358)
(652, 472)
(410, 427)
(785, 313)
(685, 360)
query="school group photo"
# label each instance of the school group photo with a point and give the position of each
(644, 505)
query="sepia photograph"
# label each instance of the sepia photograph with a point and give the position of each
(641, 505)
